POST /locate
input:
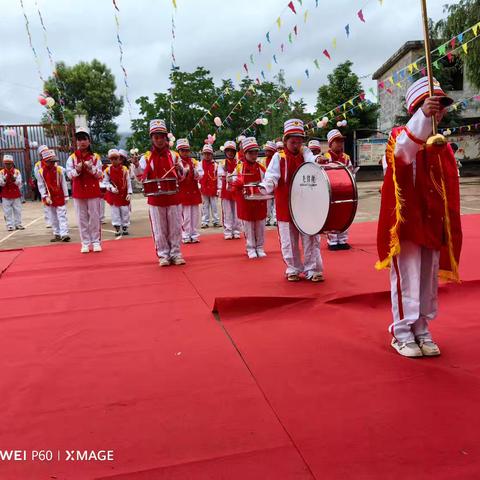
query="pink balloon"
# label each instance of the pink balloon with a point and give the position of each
(42, 100)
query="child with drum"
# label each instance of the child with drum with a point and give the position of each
(209, 187)
(251, 205)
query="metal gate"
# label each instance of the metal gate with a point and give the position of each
(22, 141)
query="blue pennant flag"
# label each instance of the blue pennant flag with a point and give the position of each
(268, 37)
(275, 59)
(347, 29)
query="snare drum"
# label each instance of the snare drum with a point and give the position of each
(160, 186)
(251, 191)
(323, 198)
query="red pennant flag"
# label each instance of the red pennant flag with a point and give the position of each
(245, 67)
(295, 29)
(449, 56)
(389, 90)
(381, 85)
(452, 42)
(325, 52)
(258, 80)
(362, 96)
(281, 46)
(424, 72)
(360, 16)
(292, 7)
(259, 48)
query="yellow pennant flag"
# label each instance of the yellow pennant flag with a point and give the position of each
(475, 29)
(305, 16)
(410, 69)
(279, 22)
(238, 76)
(399, 84)
(350, 102)
(391, 80)
(344, 116)
(381, 2)
(269, 66)
(360, 106)
(299, 82)
(334, 43)
(465, 48)
(344, 106)
(174, 3)
(415, 65)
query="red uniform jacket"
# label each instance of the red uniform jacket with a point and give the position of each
(208, 183)
(10, 189)
(189, 191)
(426, 210)
(288, 164)
(52, 177)
(228, 168)
(119, 179)
(85, 185)
(251, 210)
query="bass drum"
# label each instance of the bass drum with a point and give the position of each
(323, 198)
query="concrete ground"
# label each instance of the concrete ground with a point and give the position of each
(37, 234)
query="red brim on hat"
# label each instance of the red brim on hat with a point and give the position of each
(158, 130)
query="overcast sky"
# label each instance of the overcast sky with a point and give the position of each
(217, 34)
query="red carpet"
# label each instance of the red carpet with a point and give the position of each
(296, 381)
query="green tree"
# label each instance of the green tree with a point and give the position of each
(87, 88)
(343, 84)
(460, 16)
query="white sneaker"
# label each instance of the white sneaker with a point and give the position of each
(164, 262)
(407, 349)
(186, 240)
(261, 253)
(236, 236)
(252, 254)
(97, 247)
(428, 347)
(178, 261)
(85, 249)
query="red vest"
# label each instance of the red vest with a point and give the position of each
(251, 210)
(158, 164)
(119, 179)
(189, 191)
(11, 189)
(208, 183)
(288, 163)
(268, 159)
(228, 168)
(424, 209)
(52, 177)
(86, 184)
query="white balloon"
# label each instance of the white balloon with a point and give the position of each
(325, 120)
(170, 135)
(50, 102)
(217, 121)
(132, 151)
(33, 144)
(339, 124)
(344, 123)
(222, 148)
(265, 121)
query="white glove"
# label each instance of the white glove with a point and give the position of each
(113, 189)
(128, 197)
(88, 164)
(67, 199)
(48, 200)
(78, 167)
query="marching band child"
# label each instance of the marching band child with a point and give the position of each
(270, 150)
(11, 183)
(336, 153)
(84, 168)
(231, 223)
(36, 167)
(54, 192)
(190, 193)
(165, 210)
(209, 187)
(315, 147)
(251, 212)
(118, 183)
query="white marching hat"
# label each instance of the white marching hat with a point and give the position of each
(293, 128)
(47, 154)
(123, 153)
(158, 126)
(250, 143)
(314, 144)
(230, 144)
(84, 130)
(207, 148)
(8, 158)
(113, 152)
(271, 146)
(419, 91)
(279, 145)
(183, 143)
(333, 134)
(41, 149)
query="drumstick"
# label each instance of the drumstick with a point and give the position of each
(166, 173)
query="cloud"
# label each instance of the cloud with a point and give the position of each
(216, 34)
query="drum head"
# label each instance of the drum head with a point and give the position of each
(309, 198)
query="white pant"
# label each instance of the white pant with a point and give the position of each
(231, 223)
(271, 212)
(254, 235)
(46, 216)
(337, 238)
(167, 230)
(57, 218)
(209, 205)
(289, 240)
(102, 210)
(120, 215)
(191, 216)
(414, 291)
(88, 218)
(12, 210)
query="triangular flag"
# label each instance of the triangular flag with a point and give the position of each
(372, 92)
(268, 37)
(174, 3)
(360, 16)
(475, 29)
(436, 65)
(251, 59)
(344, 115)
(279, 22)
(460, 37)
(281, 47)
(350, 102)
(325, 52)
(305, 16)
(307, 73)
(399, 84)
(415, 66)
(316, 63)
(347, 29)
(295, 30)
(381, 85)
(263, 75)
(290, 37)
(300, 2)
(442, 49)
(292, 7)
(316, 3)
(245, 67)
(334, 43)
(361, 96)
(299, 82)
(452, 42)
(410, 68)
(465, 48)
(391, 80)
(360, 106)
(450, 56)
(344, 106)
(381, 2)
(269, 66)
(275, 59)
(259, 48)
(424, 72)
